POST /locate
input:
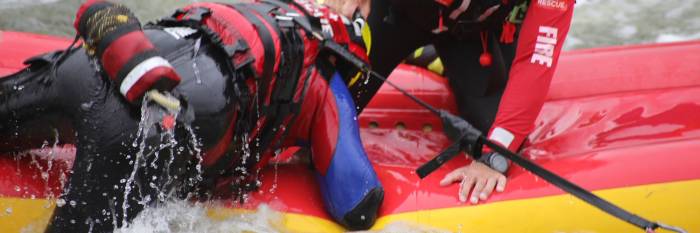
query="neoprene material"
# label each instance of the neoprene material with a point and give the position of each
(103, 121)
(480, 88)
(501, 100)
(355, 207)
(78, 101)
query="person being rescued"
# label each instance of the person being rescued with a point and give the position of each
(499, 57)
(252, 78)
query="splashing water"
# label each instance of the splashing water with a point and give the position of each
(197, 149)
(150, 118)
(186, 217)
(43, 159)
(141, 135)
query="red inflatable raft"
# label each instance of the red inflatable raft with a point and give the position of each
(622, 121)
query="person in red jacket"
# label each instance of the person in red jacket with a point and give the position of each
(499, 57)
(239, 81)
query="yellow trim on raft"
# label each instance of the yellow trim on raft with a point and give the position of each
(25, 215)
(291, 222)
(675, 203)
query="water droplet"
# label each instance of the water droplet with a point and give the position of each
(87, 106)
(73, 203)
(60, 202)
(8, 210)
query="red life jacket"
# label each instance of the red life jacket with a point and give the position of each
(272, 42)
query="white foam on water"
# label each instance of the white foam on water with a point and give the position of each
(187, 217)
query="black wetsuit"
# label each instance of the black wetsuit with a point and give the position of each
(106, 126)
(397, 31)
(524, 38)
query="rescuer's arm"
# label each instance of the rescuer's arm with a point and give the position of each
(540, 41)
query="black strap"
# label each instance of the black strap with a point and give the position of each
(291, 64)
(193, 18)
(344, 54)
(240, 69)
(291, 59)
(268, 46)
(295, 107)
(281, 104)
(267, 73)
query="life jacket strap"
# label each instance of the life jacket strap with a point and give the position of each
(239, 66)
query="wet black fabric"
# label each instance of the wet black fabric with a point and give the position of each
(86, 104)
(398, 30)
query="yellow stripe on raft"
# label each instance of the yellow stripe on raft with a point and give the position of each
(25, 215)
(291, 222)
(674, 203)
